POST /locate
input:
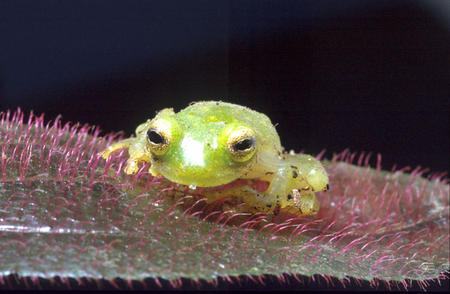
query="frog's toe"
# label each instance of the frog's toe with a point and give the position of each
(318, 179)
(132, 167)
(106, 152)
(306, 202)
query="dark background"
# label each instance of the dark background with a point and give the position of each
(369, 75)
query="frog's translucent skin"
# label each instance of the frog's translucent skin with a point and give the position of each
(197, 155)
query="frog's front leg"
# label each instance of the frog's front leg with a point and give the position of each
(136, 151)
(291, 186)
(116, 146)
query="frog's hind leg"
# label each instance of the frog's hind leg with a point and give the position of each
(289, 188)
(305, 201)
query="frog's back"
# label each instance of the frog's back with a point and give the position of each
(217, 111)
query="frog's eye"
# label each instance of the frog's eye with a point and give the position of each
(241, 144)
(159, 136)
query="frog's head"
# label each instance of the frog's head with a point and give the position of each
(200, 150)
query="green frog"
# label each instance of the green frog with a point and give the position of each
(214, 143)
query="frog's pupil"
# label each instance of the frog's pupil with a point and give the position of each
(154, 137)
(244, 144)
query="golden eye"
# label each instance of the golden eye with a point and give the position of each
(241, 144)
(159, 136)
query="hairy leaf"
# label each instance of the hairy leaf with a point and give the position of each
(66, 212)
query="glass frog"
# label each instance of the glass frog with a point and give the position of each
(213, 143)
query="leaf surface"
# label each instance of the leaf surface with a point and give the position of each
(66, 212)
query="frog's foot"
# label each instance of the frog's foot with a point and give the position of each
(291, 188)
(305, 201)
(132, 166)
(136, 151)
(298, 202)
(133, 162)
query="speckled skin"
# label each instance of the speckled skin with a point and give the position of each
(198, 155)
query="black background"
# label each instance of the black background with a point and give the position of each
(365, 75)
